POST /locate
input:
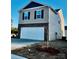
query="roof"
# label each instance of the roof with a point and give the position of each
(36, 4)
(33, 4)
(57, 10)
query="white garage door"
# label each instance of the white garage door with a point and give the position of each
(36, 33)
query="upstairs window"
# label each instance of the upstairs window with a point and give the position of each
(26, 15)
(39, 14)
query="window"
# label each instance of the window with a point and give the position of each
(39, 14)
(26, 15)
(59, 22)
(56, 35)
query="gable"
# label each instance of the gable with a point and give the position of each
(57, 10)
(32, 4)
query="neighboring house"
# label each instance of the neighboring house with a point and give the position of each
(60, 14)
(39, 15)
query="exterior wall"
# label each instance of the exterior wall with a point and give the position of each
(32, 20)
(54, 26)
(62, 22)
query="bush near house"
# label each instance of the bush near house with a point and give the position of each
(14, 32)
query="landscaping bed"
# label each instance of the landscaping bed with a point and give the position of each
(41, 51)
(49, 50)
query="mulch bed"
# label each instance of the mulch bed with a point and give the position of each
(50, 50)
(39, 50)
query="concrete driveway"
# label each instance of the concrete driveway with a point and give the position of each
(16, 57)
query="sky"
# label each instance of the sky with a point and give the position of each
(16, 5)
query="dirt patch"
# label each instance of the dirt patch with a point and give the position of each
(49, 50)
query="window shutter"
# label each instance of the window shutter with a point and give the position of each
(35, 15)
(28, 15)
(23, 16)
(42, 13)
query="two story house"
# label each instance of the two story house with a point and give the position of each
(39, 15)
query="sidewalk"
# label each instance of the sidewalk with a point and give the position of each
(16, 57)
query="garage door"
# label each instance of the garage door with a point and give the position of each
(35, 33)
